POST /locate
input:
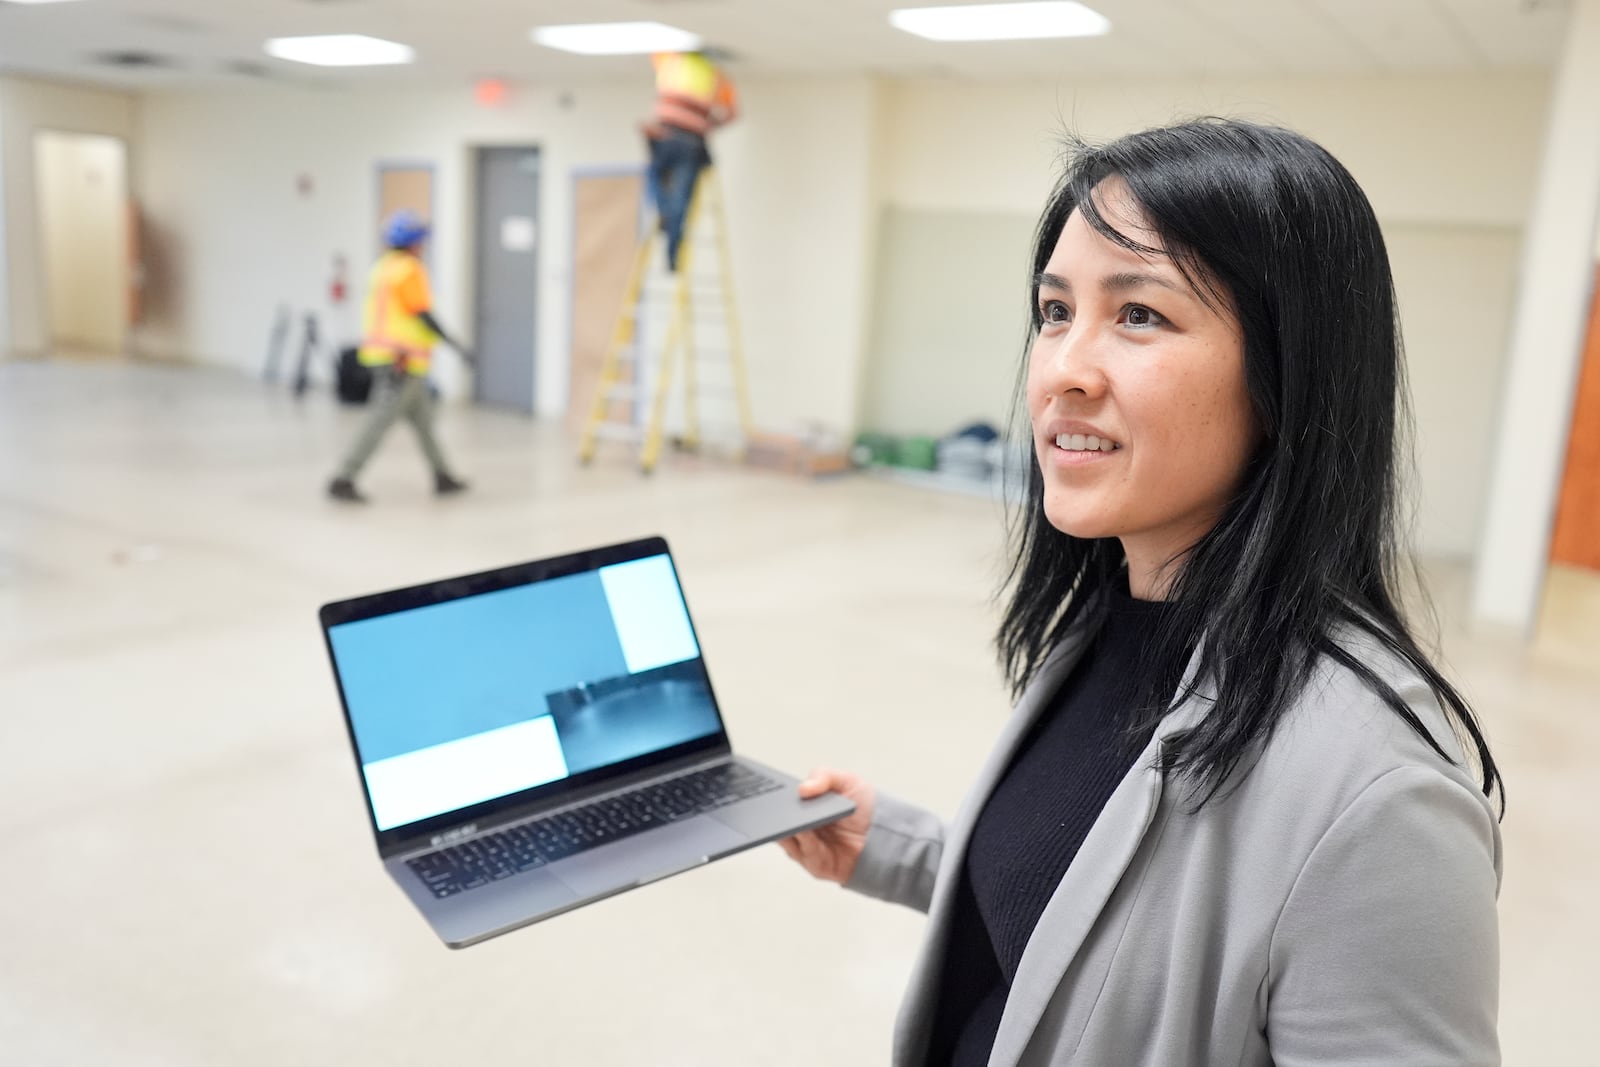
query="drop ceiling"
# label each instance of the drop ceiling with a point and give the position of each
(216, 42)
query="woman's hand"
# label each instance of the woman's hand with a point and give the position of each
(830, 852)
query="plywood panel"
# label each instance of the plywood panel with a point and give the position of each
(404, 188)
(1577, 533)
(605, 238)
(83, 230)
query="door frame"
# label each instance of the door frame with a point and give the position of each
(1567, 534)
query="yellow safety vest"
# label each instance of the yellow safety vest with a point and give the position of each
(686, 74)
(688, 88)
(392, 331)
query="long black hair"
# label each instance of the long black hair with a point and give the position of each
(1265, 223)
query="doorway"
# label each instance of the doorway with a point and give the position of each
(404, 187)
(506, 276)
(1576, 540)
(84, 232)
(607, 215)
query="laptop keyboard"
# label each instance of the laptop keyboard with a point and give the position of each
(528, 845)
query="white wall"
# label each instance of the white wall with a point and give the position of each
(237, 239)
(27, 108)
(235, 236)
(1447, 161)
(840, 327)
(5, 238)
(1546, 349)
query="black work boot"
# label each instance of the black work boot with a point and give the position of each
(344, 489)
(446, 485)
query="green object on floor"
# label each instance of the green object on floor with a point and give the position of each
(879, 448)
(918, 453)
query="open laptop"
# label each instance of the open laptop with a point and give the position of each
(539, 737)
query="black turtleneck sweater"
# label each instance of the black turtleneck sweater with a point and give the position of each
(1033, 825)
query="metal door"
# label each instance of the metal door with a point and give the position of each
(507, 276)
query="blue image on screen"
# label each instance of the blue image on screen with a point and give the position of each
(429, 676)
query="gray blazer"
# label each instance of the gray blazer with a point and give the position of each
(1337, 908)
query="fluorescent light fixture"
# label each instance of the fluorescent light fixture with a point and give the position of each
(340, 50)
(34, 1)
(616, 38)
(1001, 22)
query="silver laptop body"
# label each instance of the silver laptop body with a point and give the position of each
(542, 736)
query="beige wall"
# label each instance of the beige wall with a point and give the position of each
(950, 301)
(799, 179)
(1456, 285)
(27, 108)
(1445, 148)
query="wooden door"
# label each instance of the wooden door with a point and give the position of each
(605, 238)
(1577, 533)
(82, 183)
(408, 186)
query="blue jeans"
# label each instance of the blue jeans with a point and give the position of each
(676, 160)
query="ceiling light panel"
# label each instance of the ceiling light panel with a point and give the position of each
(616, 38)
(340, 50)
(1001, 22)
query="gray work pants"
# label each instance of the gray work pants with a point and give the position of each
(398, 394)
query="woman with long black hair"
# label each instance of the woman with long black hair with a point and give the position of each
(1238, 816)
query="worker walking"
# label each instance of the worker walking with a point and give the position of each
(399, 334)
(693, 97)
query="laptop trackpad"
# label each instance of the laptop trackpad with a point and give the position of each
(648, 856)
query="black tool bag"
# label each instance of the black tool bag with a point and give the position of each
(355, 381)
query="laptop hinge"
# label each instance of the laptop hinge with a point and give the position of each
(453, 835)
(463, 832)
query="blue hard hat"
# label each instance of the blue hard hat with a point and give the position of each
(404, 229)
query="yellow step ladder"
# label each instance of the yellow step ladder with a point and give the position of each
(680, 339)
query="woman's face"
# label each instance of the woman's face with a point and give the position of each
(1136, 391)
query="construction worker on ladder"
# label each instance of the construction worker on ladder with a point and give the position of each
(693, 97)
(400, 332)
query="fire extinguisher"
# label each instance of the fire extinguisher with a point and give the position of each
(338, 288)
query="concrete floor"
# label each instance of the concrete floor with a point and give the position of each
(192, 879)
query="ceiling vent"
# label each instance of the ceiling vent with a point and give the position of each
(249, 68)
(131, 60)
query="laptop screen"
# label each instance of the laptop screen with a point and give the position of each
(465, 701)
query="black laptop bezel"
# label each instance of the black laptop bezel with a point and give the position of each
(357, 609)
